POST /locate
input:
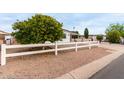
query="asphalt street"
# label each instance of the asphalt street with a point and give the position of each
(115, 70)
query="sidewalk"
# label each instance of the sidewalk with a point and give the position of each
(90, 69)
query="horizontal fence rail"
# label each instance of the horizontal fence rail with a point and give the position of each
(55, 48)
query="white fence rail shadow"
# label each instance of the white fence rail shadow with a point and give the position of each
(75, 46)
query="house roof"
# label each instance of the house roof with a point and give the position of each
(4, 33)
(72, 32)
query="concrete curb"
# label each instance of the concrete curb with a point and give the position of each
(90, 69)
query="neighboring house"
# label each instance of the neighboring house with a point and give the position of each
(91, 37)
(73, 36)
(69, 36)
(4, 37)
(95, 39)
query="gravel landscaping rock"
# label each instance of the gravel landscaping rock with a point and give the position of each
(48, 65)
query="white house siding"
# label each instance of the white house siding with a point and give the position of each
(104, 38)
(67, 37)
(8, 39)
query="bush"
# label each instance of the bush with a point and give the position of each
(37, 29)
(99, 38)
(122, 34)
(113, 36)
(114, 32)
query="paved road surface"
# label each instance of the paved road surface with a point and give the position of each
(114, 70)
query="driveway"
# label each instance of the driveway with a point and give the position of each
(115, 70)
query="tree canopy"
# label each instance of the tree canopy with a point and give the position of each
(114, 32)
(113, 36)
(116, 27)
(86, 33)
(37, 29)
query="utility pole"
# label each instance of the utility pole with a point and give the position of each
(73, 28)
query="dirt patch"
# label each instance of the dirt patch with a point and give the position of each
(48, 65)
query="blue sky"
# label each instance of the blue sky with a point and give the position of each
(95, 22)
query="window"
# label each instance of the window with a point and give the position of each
(74, 36)
(64, 36)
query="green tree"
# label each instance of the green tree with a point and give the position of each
(99, 38)
(113, 36)
(86, 33)
(122, 34)
(116, 27)
(37, 29)
(114, 32)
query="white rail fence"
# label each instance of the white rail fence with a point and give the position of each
(74, 45)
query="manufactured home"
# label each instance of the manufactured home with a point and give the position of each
(5, 37)
(70, 36)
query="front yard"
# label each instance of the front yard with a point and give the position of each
(48, 65)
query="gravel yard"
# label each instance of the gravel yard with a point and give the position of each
(48, 65)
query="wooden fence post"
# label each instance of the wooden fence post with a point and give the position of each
(56, 47)
(98, 43)
(75, 46)
(3, 54)
(89, 45)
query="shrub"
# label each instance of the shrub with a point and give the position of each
(122, 34)
(37, 29)
(113, 36)
(114, 32)
(99, 38)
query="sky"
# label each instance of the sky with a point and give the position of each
(95, 22)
